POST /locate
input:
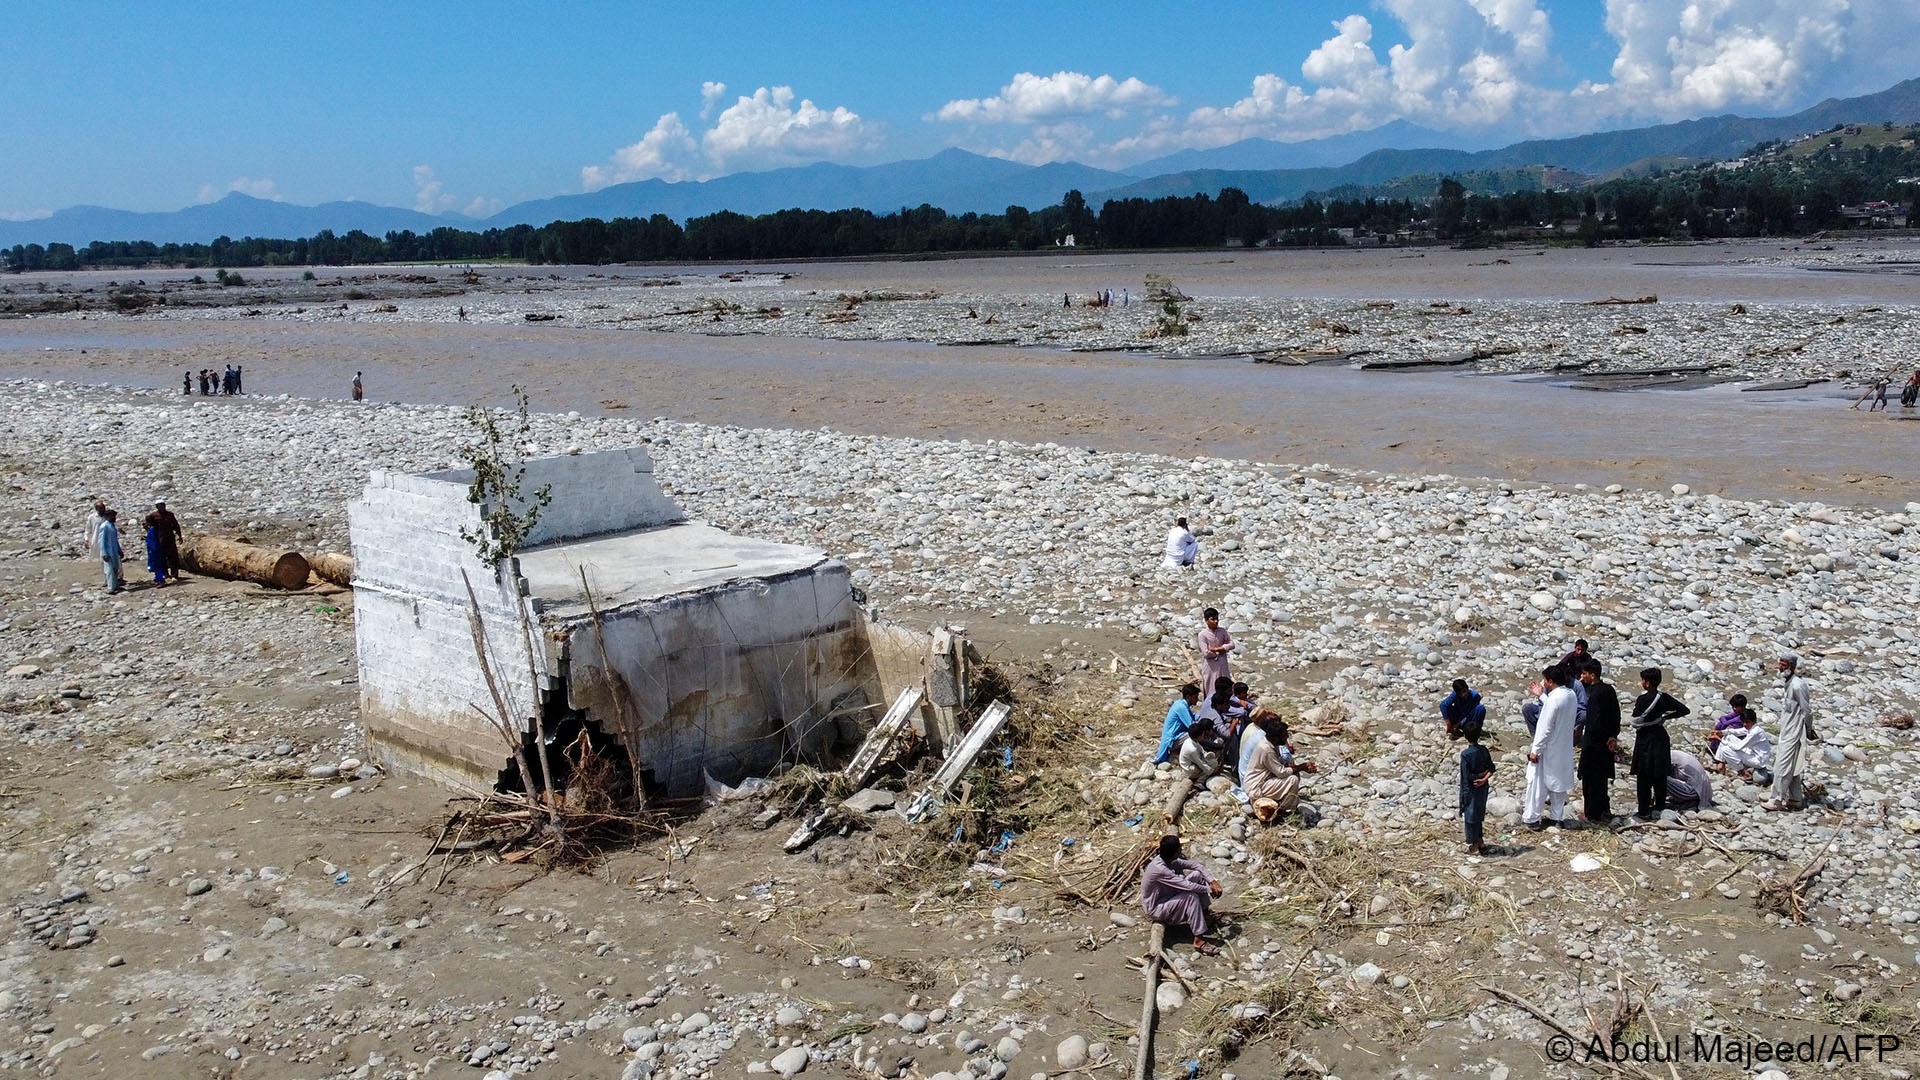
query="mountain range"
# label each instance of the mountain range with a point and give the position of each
(959, 181)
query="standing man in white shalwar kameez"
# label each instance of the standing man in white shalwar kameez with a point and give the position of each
(1550, 757)
(1790, 749)
(1182, 549)
(91, 540)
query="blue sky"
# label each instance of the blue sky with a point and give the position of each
(474, 106)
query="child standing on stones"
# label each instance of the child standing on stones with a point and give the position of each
(1476, 779)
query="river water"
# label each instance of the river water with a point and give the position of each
(1803, 444)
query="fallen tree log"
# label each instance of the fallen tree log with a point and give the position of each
(236, 561)
(334, 568)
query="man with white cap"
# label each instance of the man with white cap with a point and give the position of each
(1789, 750)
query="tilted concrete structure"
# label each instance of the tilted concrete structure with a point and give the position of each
(694, 649)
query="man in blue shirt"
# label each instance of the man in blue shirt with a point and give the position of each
(1179, 719)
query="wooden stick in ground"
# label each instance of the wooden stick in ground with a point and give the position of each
(1143, 1064)
(1646, 1009)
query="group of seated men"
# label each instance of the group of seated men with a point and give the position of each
(1230, 731)
(1739, 744)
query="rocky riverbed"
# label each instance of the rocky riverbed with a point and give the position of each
(205, 878)
(1633, 315)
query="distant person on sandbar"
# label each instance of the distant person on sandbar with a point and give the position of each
(1598, 737)
(1476, 781)
(359, 391)
(1215, 645)
(1910, 393)
(1182, 548)
(1176, 891)
(186, 384)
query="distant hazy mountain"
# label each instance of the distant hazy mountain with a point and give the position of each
(1710, 139)
(958, 181)
(236, 216)
(954, 180)
(1258, 154)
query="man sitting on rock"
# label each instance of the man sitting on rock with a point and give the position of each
(1178, 892)
(1179, 719)
(1747, 749)
(1269, 774)
(1199, 755)
(1736, 706)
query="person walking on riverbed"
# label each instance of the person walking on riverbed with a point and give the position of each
(1790, 749)
(359, 391)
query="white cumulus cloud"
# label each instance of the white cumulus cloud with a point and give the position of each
(1033, 98)
(662, 153)
(1706, 55)
(769, 129)
(766, 129)
(24, 215)
(429, 195)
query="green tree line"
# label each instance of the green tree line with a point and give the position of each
(1774, 194)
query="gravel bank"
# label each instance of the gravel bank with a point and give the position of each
(185, 780)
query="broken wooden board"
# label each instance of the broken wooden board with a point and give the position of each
(1422, 362)
(867, 758)
(1782, 384)
(957, 762)
(1307, 357)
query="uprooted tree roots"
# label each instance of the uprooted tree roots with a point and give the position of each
(1787, 896)
(572, 828)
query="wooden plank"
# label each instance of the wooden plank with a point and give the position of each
(957, 762)
(867, 758)
(1143, 1064)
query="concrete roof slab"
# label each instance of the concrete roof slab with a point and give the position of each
(651, 564)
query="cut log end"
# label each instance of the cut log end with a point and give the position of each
(334, 568)
(214, 556)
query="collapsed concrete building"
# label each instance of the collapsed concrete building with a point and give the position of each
(695, 651)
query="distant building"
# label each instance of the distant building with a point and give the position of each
(1875, 215)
